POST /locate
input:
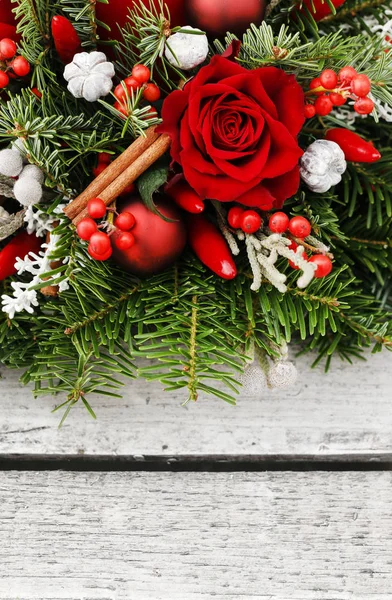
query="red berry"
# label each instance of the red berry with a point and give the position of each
(4, 79)
(132, 83)
(125, 240)
(36, 92)
(104, 158)
(86, 228)
(337, 99)
(20, 66)
(310, 111)
(316, 83)
(120, 93)
(141, 73)
(100, 242)
(7, 48)
(235, 216)
(97, 256)
(279, 222)
(125, 221)
(361, 86)
(96, 208)
(152, 113)
(300, 227)
(364, 106)
(99, 169)
(329, 79)
(250, 221)
(293, 245)
(151, 92)
(324, 265)
(347, 74)
(323, 105)
(294, 266)
(122, 108)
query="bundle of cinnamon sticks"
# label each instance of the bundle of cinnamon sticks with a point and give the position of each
(134, 161)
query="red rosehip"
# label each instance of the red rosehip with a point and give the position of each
(125, 221)
(96, 208)
(337, 99)
(323, 105)
(361, 86)
(324, 265)
(250, 221)
(99, 169)
(141, 73)
(104, 158)
(86, 228)
(310, 111)
(294, 266)
(125, 240)
(329, 79)
(97, 256)
(314, 84)
(132, 84)
(100, 242)
(151, 92)
(347, 74)
(279, 222)
(20, 66)
(4, 79)
(364, 106)
(234, 217)
(120, 93)
(300, 227)
(7, 48)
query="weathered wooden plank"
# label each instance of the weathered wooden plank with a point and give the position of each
(190, 536)
(347, 411)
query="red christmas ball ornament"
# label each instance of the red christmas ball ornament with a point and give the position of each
(219, 16)
(158, 243)
(7, 21)
(319, 8)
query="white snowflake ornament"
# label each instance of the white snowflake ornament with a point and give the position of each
(322, 166)
(89, 76)
(187, 50)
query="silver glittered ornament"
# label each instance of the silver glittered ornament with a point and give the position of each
(283, 374)
(253, 380)
(322, 166)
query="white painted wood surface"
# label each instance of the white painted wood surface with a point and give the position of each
(195, 536)
(347, 411)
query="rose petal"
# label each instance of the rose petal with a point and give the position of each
(283, 187)
(284, 153)
(258, 196)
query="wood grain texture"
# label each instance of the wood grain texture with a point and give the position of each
(347, 411)
(189, 536)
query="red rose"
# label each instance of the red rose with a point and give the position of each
(234, 132)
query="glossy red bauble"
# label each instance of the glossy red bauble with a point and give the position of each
(158, 243)
(219, 16)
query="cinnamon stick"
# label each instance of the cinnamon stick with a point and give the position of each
(125, 178)
(95, 188)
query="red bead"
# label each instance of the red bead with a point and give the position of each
(235, 216)
(329, 79)
(100, 242)
(250, 221)
(132, 84)
(347, 74)
(314, 84)
(324, 265)
(337, 99)
(120, 93)
(7, 48)
(279, 222)
(361, 86)
(86, 228)
(125, 221)
(141, 73)
(20, 66)
(97, 256)
(96, 208)
(104, 158)
(323, 105)
(125, 240)
(364, 106)
(4, 79)
(310, 111)
(300, 227)
(151, 92)
(99, 169)
(294, 266)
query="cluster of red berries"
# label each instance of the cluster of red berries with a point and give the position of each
(247, 220)
(104, 160)
(300, 228)
(139, 79)
(100, 246)
(11, 66)
(333, 89)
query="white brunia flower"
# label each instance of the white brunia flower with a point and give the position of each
(89, 76)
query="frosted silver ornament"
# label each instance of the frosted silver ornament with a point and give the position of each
(186, 50)
(253, 380)
(89, 76)
(283, 374)
(11, 162)
(322, 166)
(28, 191)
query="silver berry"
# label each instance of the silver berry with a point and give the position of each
(322, 166)
(186, 50)
(28, 191)
(33, 172)
(11, 163)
